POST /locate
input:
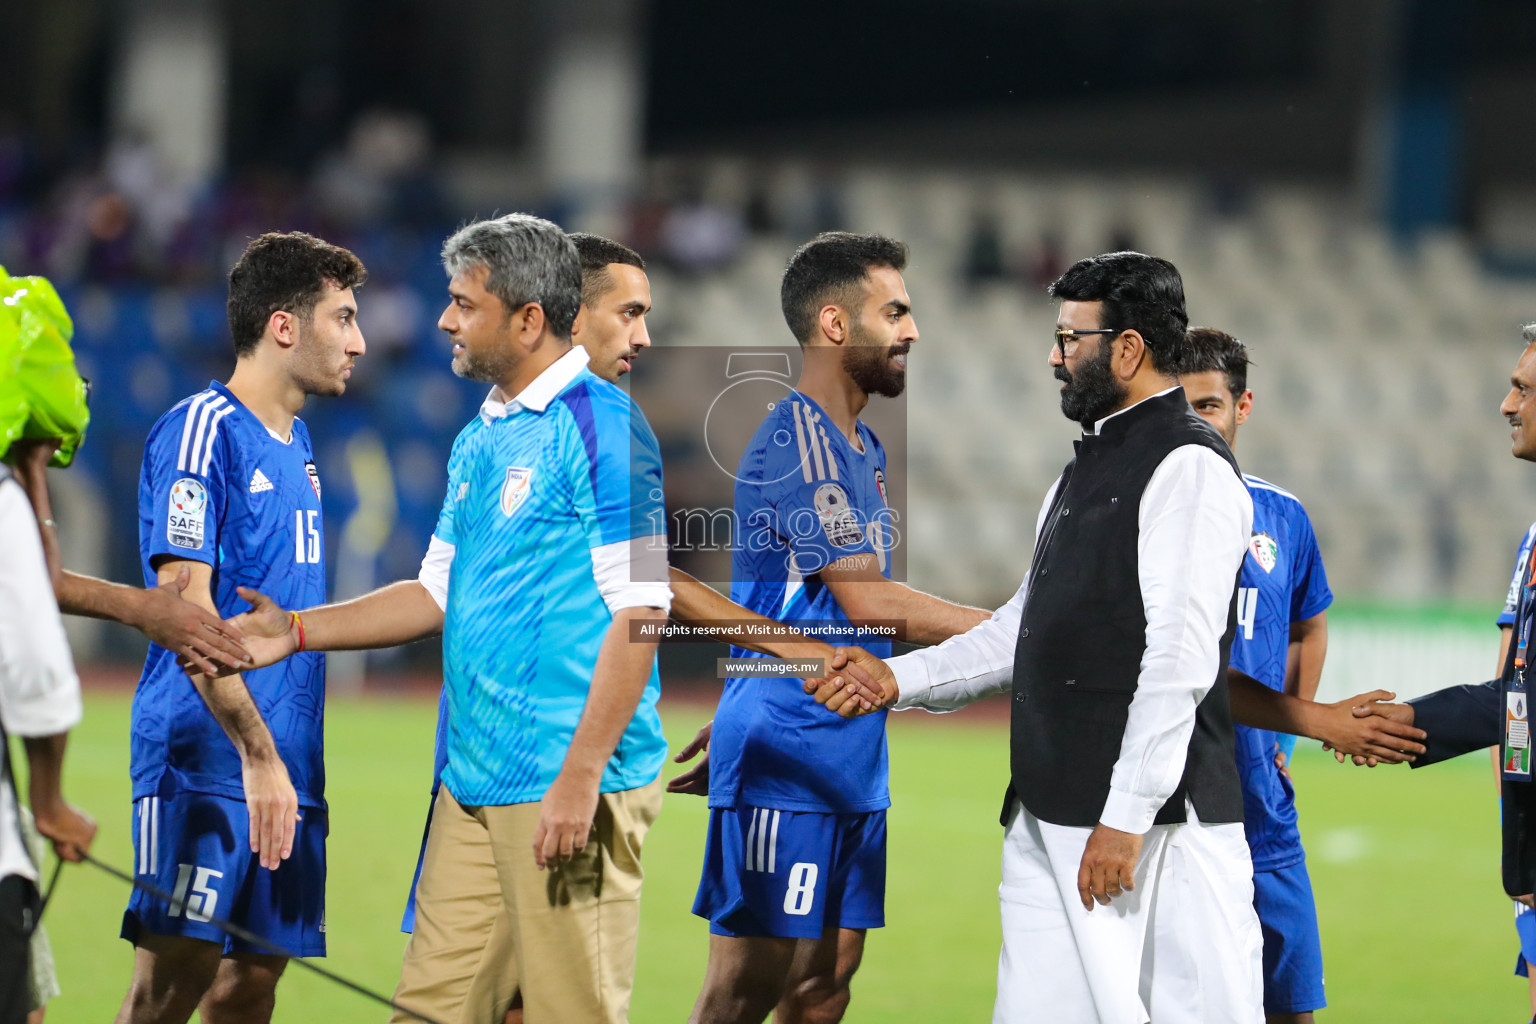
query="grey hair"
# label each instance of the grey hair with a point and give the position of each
(1528, 332)
(529, 259)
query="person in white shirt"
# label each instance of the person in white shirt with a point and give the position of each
(1127, 884)
(40, 702)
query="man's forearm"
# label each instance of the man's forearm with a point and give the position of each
(400, 613)
(230, 702)
(1258, 707)
(695, 603)
(919, 618)
(618, 680)
(45, 771)
(99, 599)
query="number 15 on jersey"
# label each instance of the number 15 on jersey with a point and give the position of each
(306, 536)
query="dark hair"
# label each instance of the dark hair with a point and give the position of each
(1140, 293)
(597, 254)
(831, 263)
(286, 272)
(1208, 349)
(527, 259)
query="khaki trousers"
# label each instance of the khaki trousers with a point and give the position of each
(489, 923)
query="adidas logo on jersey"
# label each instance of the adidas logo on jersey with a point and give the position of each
(259, 482)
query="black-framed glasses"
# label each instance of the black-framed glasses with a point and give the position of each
(1067, 339)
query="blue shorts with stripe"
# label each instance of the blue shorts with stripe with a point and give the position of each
(792, 874)
(1525, 927)
(1293, 950)
(196, 847)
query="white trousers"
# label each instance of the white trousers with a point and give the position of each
(1183, 948)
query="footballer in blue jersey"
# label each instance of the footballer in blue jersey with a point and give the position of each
(229, 493)
(1282, 598)
(796, 843)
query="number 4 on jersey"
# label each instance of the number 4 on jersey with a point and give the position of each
(306, 536)
(1247, 609)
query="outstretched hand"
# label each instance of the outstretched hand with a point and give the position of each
(856, 683)
(270, 632)
(201, 641)
(694, 781)
(1371, 730)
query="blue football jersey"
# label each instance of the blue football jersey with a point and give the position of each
(1522, 559)
(805, 497)
(1283, 581)
(218, 487)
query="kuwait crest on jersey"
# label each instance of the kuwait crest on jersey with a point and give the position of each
(880, 486)
(1264, 551)
(515, 489)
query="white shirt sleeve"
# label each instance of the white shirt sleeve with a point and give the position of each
(1194, 523)
(633, 574)
(39, 691)
(971, 666)
(435, 567)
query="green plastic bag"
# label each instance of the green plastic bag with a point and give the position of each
(44, 368)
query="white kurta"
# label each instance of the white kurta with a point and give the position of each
(1119, 963)
(39, 691)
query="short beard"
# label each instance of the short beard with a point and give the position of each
(309, 368)
(1091, 393)
(867, 364)
(491, 369)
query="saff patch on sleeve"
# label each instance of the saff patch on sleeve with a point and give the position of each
(184, 524)
(838, 519)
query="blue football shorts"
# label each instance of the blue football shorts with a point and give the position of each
(1293, 951)
(1525, 927)
(792, 874)
(196, 847)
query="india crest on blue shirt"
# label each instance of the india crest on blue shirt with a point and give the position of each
(515, 489)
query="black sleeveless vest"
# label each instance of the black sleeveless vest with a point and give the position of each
(1083, 633)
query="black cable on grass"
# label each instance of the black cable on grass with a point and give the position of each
(243, 935)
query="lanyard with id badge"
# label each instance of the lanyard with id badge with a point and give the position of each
(1517, 705)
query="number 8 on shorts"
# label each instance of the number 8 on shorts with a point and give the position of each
(801, 894)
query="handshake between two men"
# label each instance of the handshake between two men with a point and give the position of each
(1367, 728)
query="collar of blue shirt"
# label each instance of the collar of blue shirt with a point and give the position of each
(540, 391)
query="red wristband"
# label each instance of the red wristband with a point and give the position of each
(300, 623)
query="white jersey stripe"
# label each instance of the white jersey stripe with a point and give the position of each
(805, 451)
(143, 833)
(810, 428)
(751, 835)
(200, 431)
(762, 842)
(826, 444)
(773, 842)
(1265, 485)
(205, 416)
(154, 834)
(193, 412)
(213, 431)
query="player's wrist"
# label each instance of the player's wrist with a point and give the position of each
(581, 773)
(132, 607)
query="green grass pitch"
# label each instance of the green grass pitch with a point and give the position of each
(1406, 870)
